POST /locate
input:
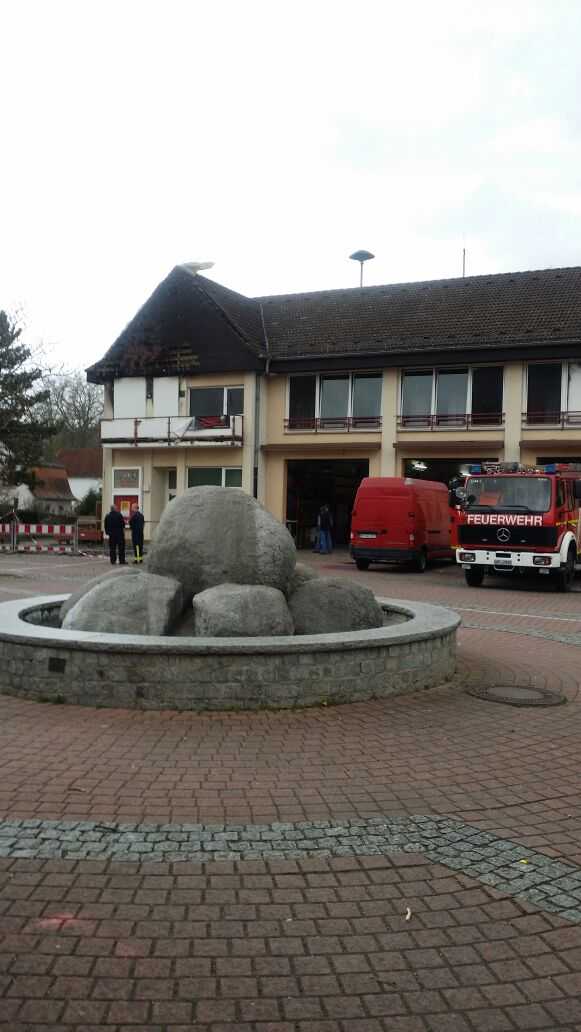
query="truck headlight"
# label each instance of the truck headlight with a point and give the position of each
(467, 557)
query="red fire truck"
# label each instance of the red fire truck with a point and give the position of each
(516, 518)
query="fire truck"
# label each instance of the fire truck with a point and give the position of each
(513, 518)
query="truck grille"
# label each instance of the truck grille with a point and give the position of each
(543, 537)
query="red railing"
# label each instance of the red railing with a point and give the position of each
(552, 417)
(452, 421)
(325, 425)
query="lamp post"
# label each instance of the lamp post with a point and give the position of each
(361, 257)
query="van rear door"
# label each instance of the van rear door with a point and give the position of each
(382, 518)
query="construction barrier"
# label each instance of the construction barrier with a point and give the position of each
(7, 537)
(45, 537)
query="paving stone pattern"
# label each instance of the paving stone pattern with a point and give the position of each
(506, 866)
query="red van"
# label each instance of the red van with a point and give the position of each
(400, 520)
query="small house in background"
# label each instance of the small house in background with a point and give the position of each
(84, 467)
(50, 494)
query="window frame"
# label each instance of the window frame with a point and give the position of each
(432, 419)
(564, 397)
(216, 387)
(223, 470)
(336, 423)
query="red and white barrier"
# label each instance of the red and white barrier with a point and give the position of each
(55, 537)
(6, 537)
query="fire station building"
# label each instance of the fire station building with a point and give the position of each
(296, 397)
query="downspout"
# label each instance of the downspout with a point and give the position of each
(257, 404)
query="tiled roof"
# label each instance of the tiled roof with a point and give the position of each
(191, 322)
(81, 462)
(477, 311)
(186, 316)
(51, 482)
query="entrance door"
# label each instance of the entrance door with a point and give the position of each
(312, 483)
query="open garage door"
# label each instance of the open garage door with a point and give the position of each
(312, 483)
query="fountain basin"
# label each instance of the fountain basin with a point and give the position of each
(414, 650)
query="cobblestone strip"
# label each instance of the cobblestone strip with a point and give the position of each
(529, 632)
(500, 863)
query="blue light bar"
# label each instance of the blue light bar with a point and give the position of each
(475, 469)
(551, 467)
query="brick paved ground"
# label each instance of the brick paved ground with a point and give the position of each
(317, 943)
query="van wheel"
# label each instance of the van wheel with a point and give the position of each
(362, 564)
(564, 578)
(474, 577)
(420, 561)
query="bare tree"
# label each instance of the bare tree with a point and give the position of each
(75, 408)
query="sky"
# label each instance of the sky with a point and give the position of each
(275, 139)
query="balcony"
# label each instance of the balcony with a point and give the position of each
(454, 421)
(338, 424)
(173, 431)
(552, 418)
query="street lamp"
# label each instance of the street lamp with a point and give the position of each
(361, 256)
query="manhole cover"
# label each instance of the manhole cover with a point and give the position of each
(517, 695)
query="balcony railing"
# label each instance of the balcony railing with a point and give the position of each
(452, 421)
(172, 431)
(552, 418)
(336, 423)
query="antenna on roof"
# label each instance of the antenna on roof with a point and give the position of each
(361, 256)
(195, 267)
(463, 262)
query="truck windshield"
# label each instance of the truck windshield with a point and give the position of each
(525, 494)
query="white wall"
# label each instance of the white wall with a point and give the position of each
(165, 396)
(129, 397)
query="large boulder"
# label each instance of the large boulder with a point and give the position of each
(216, 535)
(241, 610)
(327, 605)
(145, 604)
(117, 571)
(300, 575)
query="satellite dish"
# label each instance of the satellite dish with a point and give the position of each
(195, 267)
(361, 256)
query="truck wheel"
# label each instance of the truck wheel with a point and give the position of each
(474, 577)
(565, 577)
(362, 564)
(420, 561)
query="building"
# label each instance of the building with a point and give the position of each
(296, 397)
(84, 468)
(50, 494)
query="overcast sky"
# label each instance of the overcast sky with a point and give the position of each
(275, 139)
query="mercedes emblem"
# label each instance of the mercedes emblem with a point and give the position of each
(503, 534)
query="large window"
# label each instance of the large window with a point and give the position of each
(544, 392)
(452, 397)
(217, 476)
(213, 406)
(340, 402)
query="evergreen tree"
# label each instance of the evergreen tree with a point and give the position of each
(21, 431)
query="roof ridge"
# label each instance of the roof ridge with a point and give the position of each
(416, 283)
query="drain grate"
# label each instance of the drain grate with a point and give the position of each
(517, 695)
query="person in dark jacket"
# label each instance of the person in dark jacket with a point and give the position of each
(137, 523)
(115, 531)
(325, 525)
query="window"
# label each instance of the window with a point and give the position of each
(574, 388)
(487, 396)
(366, 399)
(416, 398)
(341, 402)
(218, 476)
(214, 406)
(526, 494)
(452, 397)
(334, 397)
(544, 392)
(302, 401)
